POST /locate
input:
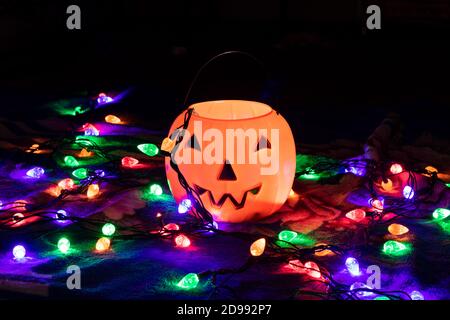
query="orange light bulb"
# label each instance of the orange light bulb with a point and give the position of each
(293, 198)
(387, 186)
(257, 248)
(54, 191)
(85, 154)
(110, 118)
(167, 145)
(292, 193)
(66, 184)
(397, 229)
(102, 244)
(431, 169)
(93, 191)
(323, 253)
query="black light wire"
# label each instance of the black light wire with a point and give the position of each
(202, 225)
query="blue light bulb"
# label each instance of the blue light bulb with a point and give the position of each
(19, 252)
(36, 172)
(352, 266)
(61, 216)
(214, 226)
(416, 295)
(408, 192)
(103, 99)
(91, 132)
(100, 173)
(356, 171)
(184, 206)
(361, 293)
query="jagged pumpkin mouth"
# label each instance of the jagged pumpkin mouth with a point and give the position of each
(219, 203)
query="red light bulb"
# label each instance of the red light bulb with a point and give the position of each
(356, 215)
(378, 205)
(129, 162)
(396, 168)
(312, 270)
(182, 241)
(66, 184)
(172, 226)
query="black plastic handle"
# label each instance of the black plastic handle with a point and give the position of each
(220, 55)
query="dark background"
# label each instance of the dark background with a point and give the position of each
(328, 75)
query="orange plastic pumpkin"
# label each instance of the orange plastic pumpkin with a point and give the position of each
(233, 187)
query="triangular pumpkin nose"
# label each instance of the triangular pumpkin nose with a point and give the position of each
(227, 172)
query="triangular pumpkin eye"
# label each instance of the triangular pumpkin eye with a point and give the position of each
(263, 143)
(193, 143)
(227, 172)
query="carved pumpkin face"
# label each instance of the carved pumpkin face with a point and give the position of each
(238, 155)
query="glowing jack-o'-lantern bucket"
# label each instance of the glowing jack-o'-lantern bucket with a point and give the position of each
(239, 156)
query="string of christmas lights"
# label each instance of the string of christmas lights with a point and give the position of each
(298, 251)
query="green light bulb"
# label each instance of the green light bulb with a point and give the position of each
(71, 161)
(80, 173)
(86, 142)
(441, 213)
(381, 298)
(287, 235)
(156, 189)
(448, 185)
(309, 176)
(395, 248)
(295, 238)
(149, 149)
(189, 281)
(108, 229)
(79, 110)
(445, 226)
(64, 245)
